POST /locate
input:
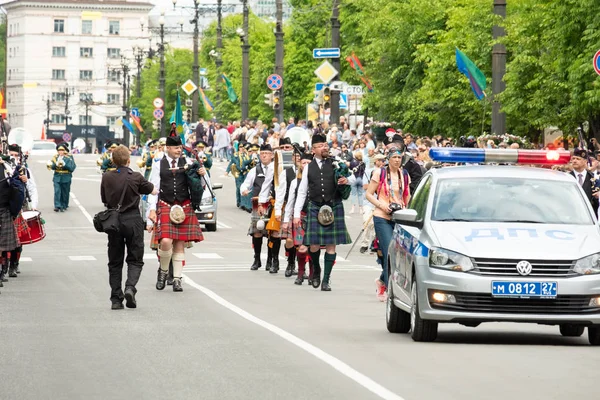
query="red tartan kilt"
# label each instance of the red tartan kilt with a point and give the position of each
(188, 231)
(21, 225)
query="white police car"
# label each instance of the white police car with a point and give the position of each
(495, 243)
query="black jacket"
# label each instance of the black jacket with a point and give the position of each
(587, 188)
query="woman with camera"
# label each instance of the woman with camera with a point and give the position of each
(388, 191)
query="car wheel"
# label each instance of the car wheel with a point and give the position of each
(594, 335)
(397, 320)
(211, 227)
(422, 330)
(569, 330)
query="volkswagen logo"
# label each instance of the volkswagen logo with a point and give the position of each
(524, 268)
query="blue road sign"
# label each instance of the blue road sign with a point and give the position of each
(159, 113)
(320, 86)
(135, 112)
(597, 62)
(333, 52)
(66, 137)
(343, 101)
(274, 82)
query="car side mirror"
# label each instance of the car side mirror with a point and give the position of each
(216, 186)
(407, 217)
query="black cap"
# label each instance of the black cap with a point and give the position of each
(63, 146)
(266, 147)
(318, 139)
(201, 143)
(284, 141)
(14, 147)
(306, 156)
(394, 139)
(174, 141)
(108, 144)
(580, 153)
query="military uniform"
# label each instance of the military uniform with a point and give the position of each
(105, 161)
(248, 162)
(236, 163)
(63, 167)
(203, 157)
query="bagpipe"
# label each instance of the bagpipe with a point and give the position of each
(342, 171)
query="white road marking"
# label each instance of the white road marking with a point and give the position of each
(87, 179)
(221, 225)
(25, 259)
(82, 258)
(207, 256)
(83, 210)
(332, 361)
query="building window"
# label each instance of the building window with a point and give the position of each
(58, 96)
(85, 75)
(114, 53)
(114, 27)
(86, 27)
(59, 52)
(83, 97)
(114, 75)
(58, 74)
(59, 26)
(86, 52)
(82, 120)
(58, 119)
(113, 98)
(111, 121)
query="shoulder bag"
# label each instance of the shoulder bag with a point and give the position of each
(108, 221)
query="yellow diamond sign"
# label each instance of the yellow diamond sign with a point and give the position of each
(326, 72)
(189, 87)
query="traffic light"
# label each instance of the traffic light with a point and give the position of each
(326, 98)
(188, 115)
(276, 99)
(155, 124)
(269, 99)
(158, 124)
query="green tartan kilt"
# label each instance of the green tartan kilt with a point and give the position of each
(336, 233)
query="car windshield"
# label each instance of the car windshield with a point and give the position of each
(510, 200)
(43, 146)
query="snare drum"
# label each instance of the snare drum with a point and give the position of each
(36, 231)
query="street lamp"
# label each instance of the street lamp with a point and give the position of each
(161, 81)
(243, 34)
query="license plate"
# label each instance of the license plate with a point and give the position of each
(524, 289)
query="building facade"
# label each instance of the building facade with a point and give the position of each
(64, 60)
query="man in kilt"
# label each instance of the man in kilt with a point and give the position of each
(259, 182)
(320, 186)
(173, 200)
(8, 233)
(295, 234)
(31, 203)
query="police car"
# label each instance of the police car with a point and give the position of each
(490, 243)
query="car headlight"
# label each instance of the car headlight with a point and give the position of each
(446, 259)
(589, 265)
(207, 201)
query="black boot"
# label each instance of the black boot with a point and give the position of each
(257, 244)
(4, 272)
(269, 256)
(12, 270)
(161, 279)
(289, 271)
(275, 254)
(17, 268)
(329, 262)
(316, 278)
(177, 285)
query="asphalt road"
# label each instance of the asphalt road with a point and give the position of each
(238, 334)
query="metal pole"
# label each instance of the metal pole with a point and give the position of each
(498, 71)
(163, 132)
(219, 61)
(125, 130)
(47, 114)
(87, 108)
(67, 109)
(334, 117)
(139, 60)
(245, 65)
(196, 66)
(279, 55)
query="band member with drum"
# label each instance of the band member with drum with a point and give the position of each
(8, 233)
(295, 234)
(259, 182)
(172, 212)
(127, 185)
(325, 213)
(31, 204)
(63, 166)
(291, 173)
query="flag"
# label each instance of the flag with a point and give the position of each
(127, 125)
(137, 123)
(177, 115)
(357, 66)
(230, 92)
(207, 104)
(470, 70)
(2, 104)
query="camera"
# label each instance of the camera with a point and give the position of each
(395, 207)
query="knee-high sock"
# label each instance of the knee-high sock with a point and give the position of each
(275, 247)
(301, 263)
(15, 255)
(165, 258)
(178, 259)
(329, 262)
(257, 245)
(291, 255)
(314, 256)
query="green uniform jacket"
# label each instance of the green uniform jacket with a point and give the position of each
(63, 174)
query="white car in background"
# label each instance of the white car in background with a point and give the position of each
(43, 148)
